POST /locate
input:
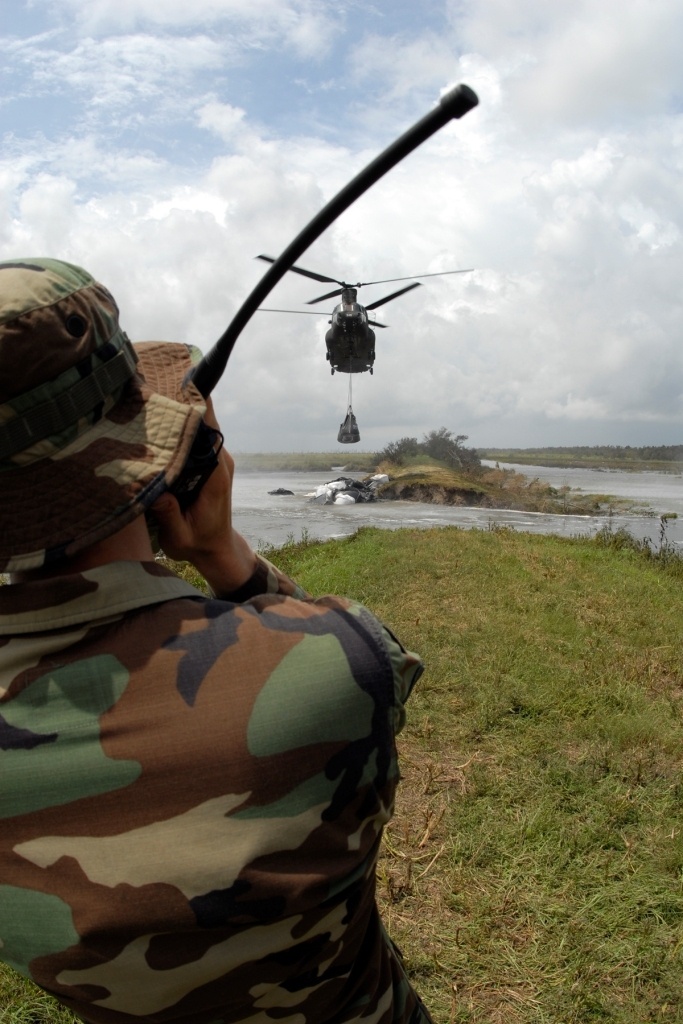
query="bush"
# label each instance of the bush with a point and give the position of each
(399, 451)
(440, 445)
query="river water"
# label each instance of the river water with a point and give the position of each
(267, 519)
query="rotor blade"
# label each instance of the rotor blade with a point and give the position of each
(439, 273)
(329, 295)
(394, 295)
(304, 273)
(308, 312)
(375, 323)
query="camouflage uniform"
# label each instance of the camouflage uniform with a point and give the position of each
(192, 797)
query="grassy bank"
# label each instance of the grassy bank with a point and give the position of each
(492, 488)
(305, 462)
(629, 461)
(534, 870)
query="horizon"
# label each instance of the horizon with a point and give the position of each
(502, 448)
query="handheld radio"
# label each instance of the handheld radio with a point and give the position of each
(203, 457)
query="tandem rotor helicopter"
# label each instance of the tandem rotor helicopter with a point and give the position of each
(350, 341)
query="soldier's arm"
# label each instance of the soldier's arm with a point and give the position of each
(204, 535)
(266, 578)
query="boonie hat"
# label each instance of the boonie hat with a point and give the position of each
(92, 428)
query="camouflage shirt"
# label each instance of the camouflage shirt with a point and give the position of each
(192, 796)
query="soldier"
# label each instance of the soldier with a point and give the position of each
(193, 789)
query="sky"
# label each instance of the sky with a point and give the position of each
(164, 145)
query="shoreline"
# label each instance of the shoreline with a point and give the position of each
(502, 489)
(490, 487)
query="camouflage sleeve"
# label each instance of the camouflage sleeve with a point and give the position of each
(406, 667)
(265, 579)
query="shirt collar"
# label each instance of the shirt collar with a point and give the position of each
(87, 597)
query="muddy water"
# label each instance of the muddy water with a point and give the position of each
(273, 519)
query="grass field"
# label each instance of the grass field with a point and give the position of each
(305, 462)
(534, 869)
(627, 461)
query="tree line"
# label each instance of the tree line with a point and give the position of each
(649, 453)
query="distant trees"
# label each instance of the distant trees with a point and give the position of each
(608, 453)
(440, 444)
(652, 453)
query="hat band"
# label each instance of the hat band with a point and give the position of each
(67, 408)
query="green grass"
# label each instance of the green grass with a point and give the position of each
(534, 869)
(23, 1003)
(625, 459)
(303, 462)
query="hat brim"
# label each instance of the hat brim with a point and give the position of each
(111, 473)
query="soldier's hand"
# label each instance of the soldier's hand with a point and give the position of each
(203, 534)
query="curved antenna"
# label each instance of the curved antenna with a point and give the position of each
(454, 104)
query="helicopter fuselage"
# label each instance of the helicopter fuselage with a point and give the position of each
(350, 341)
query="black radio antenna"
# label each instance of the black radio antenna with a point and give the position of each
(454, 104)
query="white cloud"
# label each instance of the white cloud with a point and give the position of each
(168, 179)
(307, 26)
(115, 72)
(580, 62)
(221, 118)
(432, 59)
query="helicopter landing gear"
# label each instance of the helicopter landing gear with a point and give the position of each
(332, 370)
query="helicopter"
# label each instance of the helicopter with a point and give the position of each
(350, 341)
